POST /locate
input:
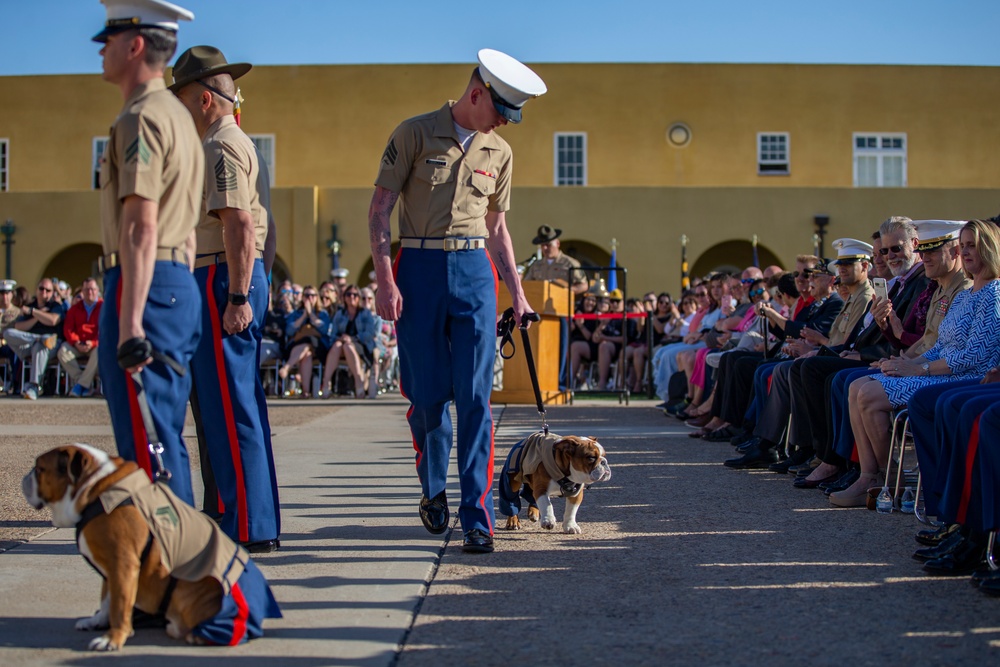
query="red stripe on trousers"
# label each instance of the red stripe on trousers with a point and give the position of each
(227, 406)
(416, 446)
(489, 466)
(970, 463)
(242, 614)
(140, 439)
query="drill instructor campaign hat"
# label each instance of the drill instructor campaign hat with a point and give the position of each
(131, 14)
(510, 83)
(546, 234)
(200, 62)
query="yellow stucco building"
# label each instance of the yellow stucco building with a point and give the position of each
(642, 153)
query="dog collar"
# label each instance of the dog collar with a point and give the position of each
(568, 487)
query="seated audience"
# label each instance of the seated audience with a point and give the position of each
(351, 335)
(305, 331)
(80, 346)
(35, 335)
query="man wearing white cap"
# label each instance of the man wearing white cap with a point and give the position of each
(8, 315)
(454, 176)
(152, 175)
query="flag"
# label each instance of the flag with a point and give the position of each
(612, 274)
(756, 259)
(236, 106)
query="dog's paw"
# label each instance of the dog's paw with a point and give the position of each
(513, 523)
(533, 514)
(174, 631)
(571, 528)
(104, 643)
(195, 640)
(548, 524)
(99, 621)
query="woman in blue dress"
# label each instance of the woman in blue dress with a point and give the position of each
(968, 344)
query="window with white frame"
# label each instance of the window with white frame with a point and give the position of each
(772, 153)
(265, 146)
(879, 160)
(3, 164)
(100, 144)
(570, 158)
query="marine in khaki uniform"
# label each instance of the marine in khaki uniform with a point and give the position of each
(229, 269)
(151, 187)
(555, 265)
(452, 175)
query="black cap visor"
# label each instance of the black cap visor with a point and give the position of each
(505, 109)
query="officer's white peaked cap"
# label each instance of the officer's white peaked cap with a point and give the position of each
(511, 83)
(131, 14)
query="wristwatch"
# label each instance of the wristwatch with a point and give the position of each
(238, 299)
(927, 368)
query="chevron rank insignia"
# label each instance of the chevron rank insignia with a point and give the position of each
(137, 151)
(225, 174)
(168, 514)
(391, 153)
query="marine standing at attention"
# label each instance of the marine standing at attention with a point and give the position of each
(152, 176)
(229, 269)
(454, 175)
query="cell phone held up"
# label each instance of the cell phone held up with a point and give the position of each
(881, 291)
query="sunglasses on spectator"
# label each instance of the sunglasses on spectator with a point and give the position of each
(310, 294)
(747, 281)
(701, 294)
(757, 292)
(896, 249)
(286, 291)
(353, 294)
(297, 292)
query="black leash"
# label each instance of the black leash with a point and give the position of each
(505, 331)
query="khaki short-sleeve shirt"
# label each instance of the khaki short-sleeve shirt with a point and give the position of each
(852, 312)
(557, 269)
(153, 152)
(232, 178)
(445, 191)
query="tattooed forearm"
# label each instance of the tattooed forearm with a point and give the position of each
(379, 222)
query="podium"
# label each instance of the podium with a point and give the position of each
(551, 301)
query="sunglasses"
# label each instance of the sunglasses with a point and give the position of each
(705, 294)
(747, 281)
(351, 294)
(296, 292)
(757, 292)
(896, 249)
(310, 294)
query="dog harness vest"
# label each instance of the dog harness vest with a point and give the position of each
(192, 546)
(538, 450)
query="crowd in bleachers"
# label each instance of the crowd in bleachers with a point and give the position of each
(810, 374)
(49, 340)
(327, 341)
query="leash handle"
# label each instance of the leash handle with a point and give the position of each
(505, 330)
(161, 474)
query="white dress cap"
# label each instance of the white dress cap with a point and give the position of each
(339, 273)
(7, 285)
(850, 250)
(131, 14)
(511, 83)
(932, 234)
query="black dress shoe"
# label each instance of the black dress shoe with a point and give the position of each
(477, 542)
(797, 458)
(983, 574)
(965, 558)
(434, 513)
(932, 538)
(806, 483)
(755, 458)
(944, 547)
(748, 445)
(841, 483)
(262, 546)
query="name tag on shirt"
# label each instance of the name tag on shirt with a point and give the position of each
(437, 163)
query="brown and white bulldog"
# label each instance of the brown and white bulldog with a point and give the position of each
(69, 479)
(546, 465)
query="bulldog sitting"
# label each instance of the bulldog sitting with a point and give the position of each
(545, 465)
(155, 552)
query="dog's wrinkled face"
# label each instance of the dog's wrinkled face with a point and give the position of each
(57, 478)
(586, 459)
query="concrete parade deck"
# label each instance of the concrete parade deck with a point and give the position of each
(681, 561)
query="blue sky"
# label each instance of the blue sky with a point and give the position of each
(52, 36)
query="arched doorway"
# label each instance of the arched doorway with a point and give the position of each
(731, 257)
(279, 271)
(74, 263)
